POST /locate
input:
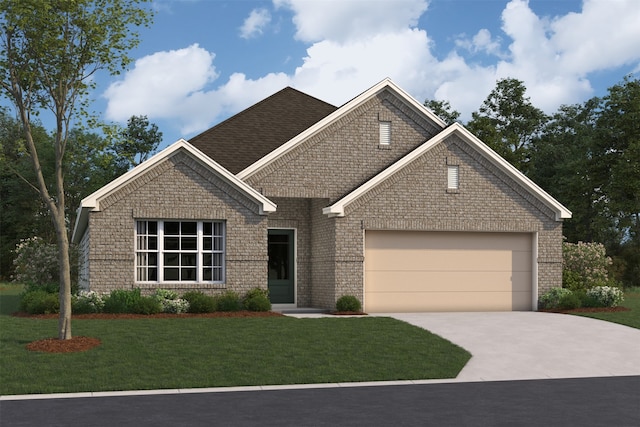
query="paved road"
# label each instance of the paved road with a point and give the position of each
(611, 401)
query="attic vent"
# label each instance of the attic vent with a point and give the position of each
(452, 177)
(385, 133)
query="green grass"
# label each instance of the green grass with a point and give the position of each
(143, 354)
(628, 318)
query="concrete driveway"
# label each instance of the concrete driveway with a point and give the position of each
(534, 345)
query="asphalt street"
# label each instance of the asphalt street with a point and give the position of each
(605, 401)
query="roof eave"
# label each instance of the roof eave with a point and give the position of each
(561, 212)
(92, 202)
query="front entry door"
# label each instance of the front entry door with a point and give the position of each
(281, 266)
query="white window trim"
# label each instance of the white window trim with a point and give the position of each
(160, 251)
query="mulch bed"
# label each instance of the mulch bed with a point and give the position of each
(55, 345)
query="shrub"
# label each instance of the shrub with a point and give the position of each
(122, 301)
(586, 300)
(257, 299)
(36, 263)
(569, 301)
(199, 302)
(170, 302)
(348, 303)
(39, 302)
(87, 302)
(229, 301)
(551, 299)
(146, 305)
(587, 263)
(607, 296)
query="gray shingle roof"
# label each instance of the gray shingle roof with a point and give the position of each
(245, 138)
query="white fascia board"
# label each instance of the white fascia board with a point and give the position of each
(336, 115)
(92, 202)
(561, 211)
(337, 209)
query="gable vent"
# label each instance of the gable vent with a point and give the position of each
(385, 133)
(452, 177)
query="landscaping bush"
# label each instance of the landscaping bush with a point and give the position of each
(606, 296)
(170, 302)
(122, 301)
(551, 299)
(36, 263)
(39, 302)
(199, 302)
(229, 301)
(86, 302)
(257, 299)
(348, 303)
(569, 301)
(147, 305)
(585, 265)
(586, 300)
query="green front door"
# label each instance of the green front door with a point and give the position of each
(281, 266)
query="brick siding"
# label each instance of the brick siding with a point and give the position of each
(179, 188)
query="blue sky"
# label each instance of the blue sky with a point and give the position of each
(204, 60)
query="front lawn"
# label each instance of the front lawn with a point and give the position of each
(628, 318)
(138, 354)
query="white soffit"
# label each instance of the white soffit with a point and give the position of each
(337, 209)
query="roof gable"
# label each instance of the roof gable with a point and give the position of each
(345, 109)
(92, 202)
(561, 212)
(246, 137)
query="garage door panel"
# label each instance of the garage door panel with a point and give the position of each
(417, 281)
(444, 301)
(447, 271)
(448, 260)
(446, 240)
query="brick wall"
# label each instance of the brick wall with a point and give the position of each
(416, 198)
(178, 188)
(345, 154)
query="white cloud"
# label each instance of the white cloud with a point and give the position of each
(337, 72)
(481, 42)
(341, 21)
(161, 85)
(354, 44)
(255, 23)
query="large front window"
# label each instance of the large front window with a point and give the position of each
(180, 251)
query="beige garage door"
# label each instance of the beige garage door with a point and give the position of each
(441, 271)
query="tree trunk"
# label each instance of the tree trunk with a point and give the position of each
(64, 319)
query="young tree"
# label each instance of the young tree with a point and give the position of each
(508, 122)
(49, 51)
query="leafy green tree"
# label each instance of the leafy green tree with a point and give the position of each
(138, 141)
(617, 149)
(49, 51)
(562, 162)
(443, 110)
(89, 165)
(22, 213)
(508, 122)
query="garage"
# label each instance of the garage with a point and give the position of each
(417, 271)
